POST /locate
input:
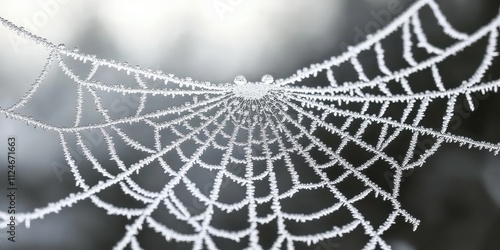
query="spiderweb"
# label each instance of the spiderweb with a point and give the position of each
(265, 144)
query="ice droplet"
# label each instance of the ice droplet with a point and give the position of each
(240, 80)
(267, 79)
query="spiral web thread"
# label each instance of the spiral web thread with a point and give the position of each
(257, 131)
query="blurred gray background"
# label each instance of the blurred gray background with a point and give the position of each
(456, 195)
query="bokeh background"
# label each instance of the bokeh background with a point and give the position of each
(456, 195)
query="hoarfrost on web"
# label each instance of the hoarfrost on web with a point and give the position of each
(285, 120)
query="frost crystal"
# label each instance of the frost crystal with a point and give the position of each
(253, 91)
(263, 140)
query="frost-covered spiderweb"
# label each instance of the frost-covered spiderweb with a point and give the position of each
(267, 145)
